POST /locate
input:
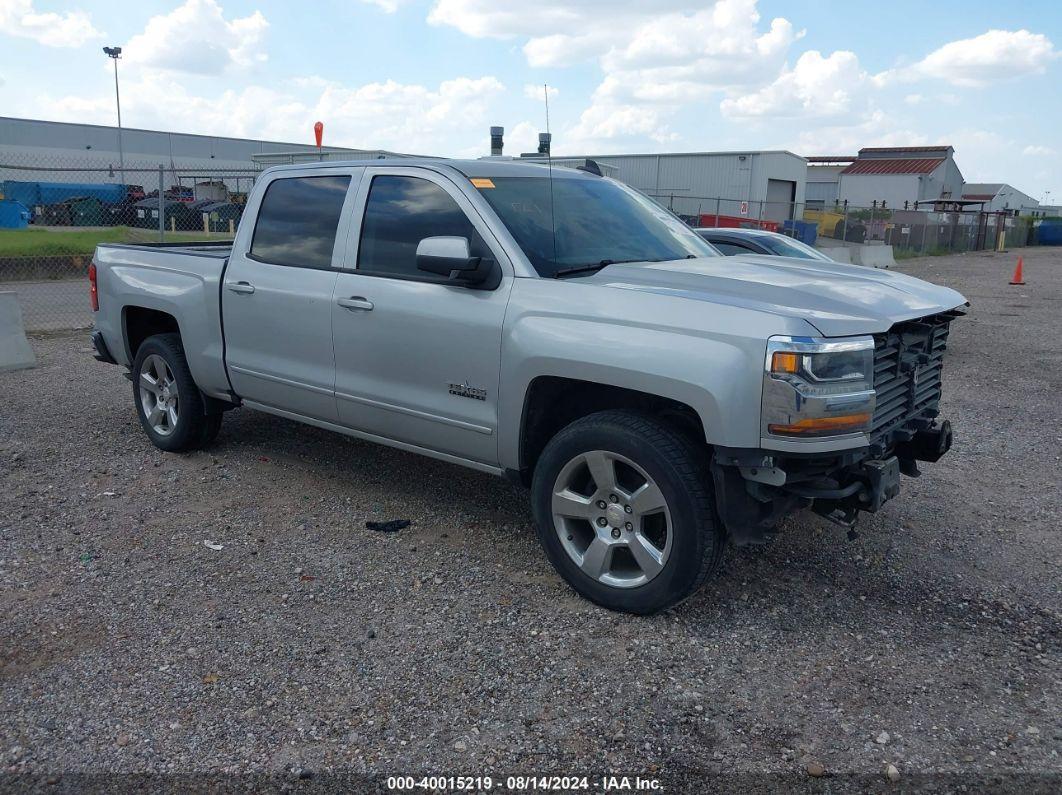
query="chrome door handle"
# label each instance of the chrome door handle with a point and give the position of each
(356, 302)
(240, 287)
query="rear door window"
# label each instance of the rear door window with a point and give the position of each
(297, 221)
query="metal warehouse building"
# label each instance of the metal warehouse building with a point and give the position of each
(1000, 197)
(824, 177)
(49, 144)
(894, 175)
(890, 175)
(766, 185)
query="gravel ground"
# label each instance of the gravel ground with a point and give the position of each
(308, 647)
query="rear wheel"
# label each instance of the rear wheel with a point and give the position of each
(623, 510)
(171, 408)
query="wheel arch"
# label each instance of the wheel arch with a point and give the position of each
(553, 402)
(140, 322)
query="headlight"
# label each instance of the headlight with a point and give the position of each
(814, 387)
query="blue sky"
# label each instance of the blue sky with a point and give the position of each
(429, 76)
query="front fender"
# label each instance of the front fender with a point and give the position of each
(654, 344)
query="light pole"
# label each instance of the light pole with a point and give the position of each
(114, 53)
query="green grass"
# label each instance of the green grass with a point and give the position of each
(932, 251)
(66, 241)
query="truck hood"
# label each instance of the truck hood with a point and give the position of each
(837, 299)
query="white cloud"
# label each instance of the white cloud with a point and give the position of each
(390, 115)
(815, 87)
(657, 58)
(387, 6)
(1035, 150)
(523, 137)
(627, 34)
(848, 136)
(67, 29)
(994, 56)
(493, 19)
(668, 57)
(196, 37)
(536, 92)
(604, 127)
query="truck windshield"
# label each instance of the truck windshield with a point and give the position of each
(598, 222)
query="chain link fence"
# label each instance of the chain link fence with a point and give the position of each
(911, 233)
(54, 211)
(914, 233)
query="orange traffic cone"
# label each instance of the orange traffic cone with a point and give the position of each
(1018, 277)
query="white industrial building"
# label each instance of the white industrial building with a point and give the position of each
(999, 197)
(896, 176)
(899, 176)
(764, 185)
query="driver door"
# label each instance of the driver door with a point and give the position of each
(417, 357)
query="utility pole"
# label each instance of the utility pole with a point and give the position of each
(114, 53)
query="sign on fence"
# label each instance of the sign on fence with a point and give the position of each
(744, 208)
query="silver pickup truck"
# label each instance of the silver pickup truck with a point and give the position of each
(552, 326)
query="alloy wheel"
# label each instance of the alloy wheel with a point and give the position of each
(158, 395)
(612, 519)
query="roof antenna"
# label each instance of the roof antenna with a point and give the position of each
(549, 164)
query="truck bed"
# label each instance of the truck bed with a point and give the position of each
(179, 281)
(206, 248)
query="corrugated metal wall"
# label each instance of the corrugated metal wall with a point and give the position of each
(90, 138)
(30, 142)
(691, 183)
(824, 192)
(862, 190)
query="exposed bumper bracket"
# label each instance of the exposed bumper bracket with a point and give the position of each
(102, 353)
(927, 445)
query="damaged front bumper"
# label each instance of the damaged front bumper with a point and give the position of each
(755, 488)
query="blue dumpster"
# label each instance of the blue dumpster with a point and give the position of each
(13, 215)
(804, 231)
(1049, 233)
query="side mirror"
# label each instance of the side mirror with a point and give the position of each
(450, 257)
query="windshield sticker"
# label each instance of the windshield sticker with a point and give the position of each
(482, 182)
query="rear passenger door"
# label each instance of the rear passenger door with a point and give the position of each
(277, 294)
(417, 357)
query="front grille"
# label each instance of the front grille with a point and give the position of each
(908, 362)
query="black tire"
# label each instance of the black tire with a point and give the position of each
(678, 465)
(194, 428)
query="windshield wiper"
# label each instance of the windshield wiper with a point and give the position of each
(563, 272)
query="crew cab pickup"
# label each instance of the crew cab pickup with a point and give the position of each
(553, 326)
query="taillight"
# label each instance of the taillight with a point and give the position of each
(94, 293)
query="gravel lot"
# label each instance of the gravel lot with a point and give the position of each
(308, 646)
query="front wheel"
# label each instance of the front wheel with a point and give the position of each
(624, 512)
(170, 406)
